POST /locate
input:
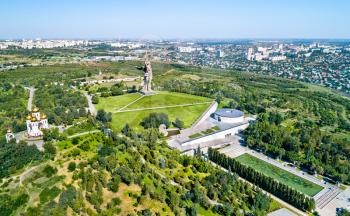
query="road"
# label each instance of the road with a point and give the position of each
(91, 105)
(31, 96)
(161, 107)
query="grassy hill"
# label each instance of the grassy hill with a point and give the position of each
(136, 107)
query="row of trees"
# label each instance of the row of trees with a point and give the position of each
(119, 88)
(154, 120)
(279, 189)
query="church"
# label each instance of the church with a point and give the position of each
(36, 122)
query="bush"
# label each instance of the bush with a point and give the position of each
(116, 201)
(72, 166)
(103, 116)
(154, 120)
(178, 123)
(49, 194)
(50, 149)
(113, 185)
(95, 99)
(49, 171)
(75, 140)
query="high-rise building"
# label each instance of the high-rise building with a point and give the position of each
(250, 54)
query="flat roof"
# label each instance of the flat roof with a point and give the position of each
(230, 113)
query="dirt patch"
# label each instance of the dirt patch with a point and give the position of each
(191, 76)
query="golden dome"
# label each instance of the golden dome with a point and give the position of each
(35, 109)
(34, 119)
(43, 116)
(29, 117)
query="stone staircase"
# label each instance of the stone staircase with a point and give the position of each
(322, 199)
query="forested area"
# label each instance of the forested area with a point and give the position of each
(61, 104)
(13, 102)
(157, 180)
(14, 156)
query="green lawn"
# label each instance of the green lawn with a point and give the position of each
(167, 99)
(195, 135)
(111, 104)
(280, 175)
(205, 212)
(187, 114)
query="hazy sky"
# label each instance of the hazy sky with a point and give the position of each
(159, 19)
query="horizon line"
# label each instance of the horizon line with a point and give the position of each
(175, 38)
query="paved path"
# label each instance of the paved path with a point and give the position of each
(83, 133)
(31, 96)
(342, 200)
(91, 105)
(161, 107)
(131, 103)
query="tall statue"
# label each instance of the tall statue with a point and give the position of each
(147, 77)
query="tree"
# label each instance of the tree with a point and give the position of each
(178, 123)
(116, 91)
(49, 170)
(72, 166)
(50, 149)
(343, 212)
(126, 130)
(51, 134)
(95, 99)
(103, 116)
(154, 120)
(113, 185)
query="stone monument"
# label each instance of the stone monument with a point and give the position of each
(147, 79)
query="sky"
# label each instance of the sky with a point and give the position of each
(165, 19)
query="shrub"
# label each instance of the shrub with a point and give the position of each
(49, 171)
(49, 194)
(72, 166)
(95, 99)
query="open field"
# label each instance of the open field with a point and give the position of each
(280, 175)
(167, 99)
(111, 104)
(187, 114)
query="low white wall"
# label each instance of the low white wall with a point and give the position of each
(207, 114)
(216, 135)
(230, 120)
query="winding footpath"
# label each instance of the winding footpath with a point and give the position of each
(83, 133)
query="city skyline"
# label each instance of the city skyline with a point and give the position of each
(174, 20)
